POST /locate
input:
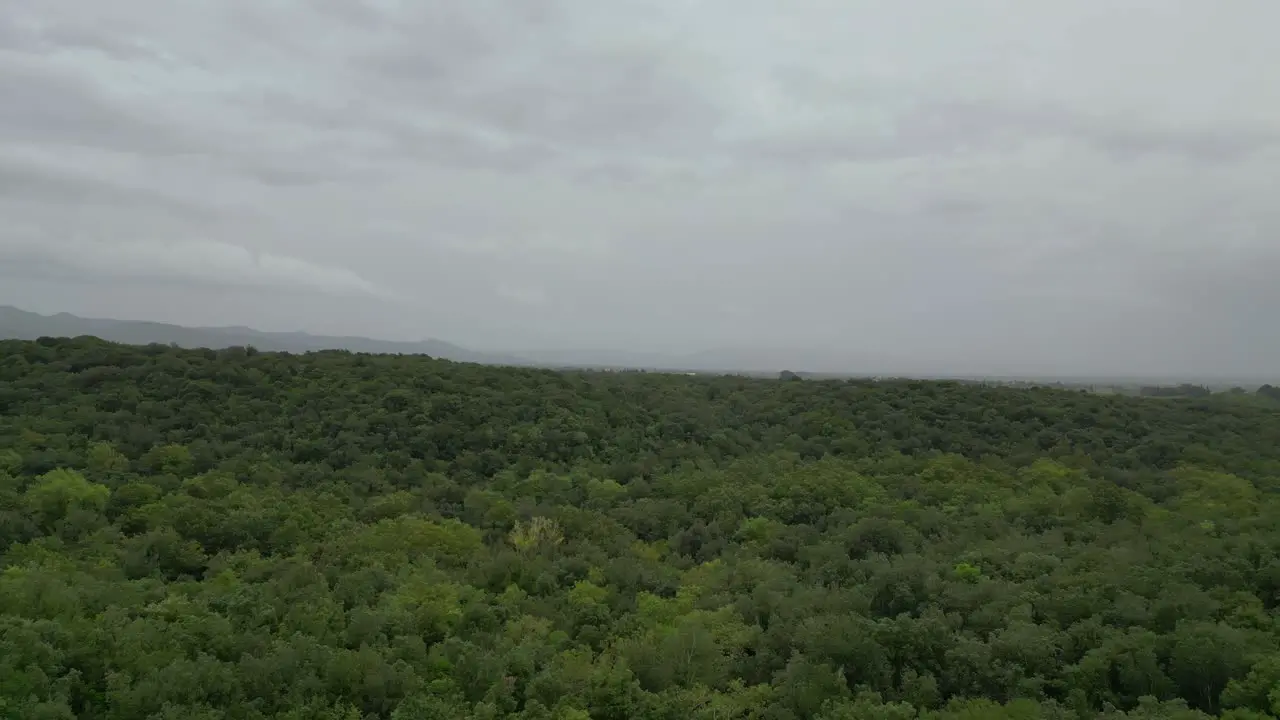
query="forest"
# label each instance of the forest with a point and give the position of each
(200, 534)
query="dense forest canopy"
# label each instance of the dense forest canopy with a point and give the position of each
(233, 534)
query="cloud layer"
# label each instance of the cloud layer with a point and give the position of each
(1062, 187)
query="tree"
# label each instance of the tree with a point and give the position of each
(58, 494)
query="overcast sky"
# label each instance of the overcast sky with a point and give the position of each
(1076, 186)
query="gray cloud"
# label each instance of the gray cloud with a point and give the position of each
(524, 75)
(43, 104)
(947, 128)
(204, 261)
(1079, 187)
(28, 184)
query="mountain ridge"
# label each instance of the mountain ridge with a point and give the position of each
(18, 324)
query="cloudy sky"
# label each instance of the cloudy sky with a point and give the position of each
(1071, 186)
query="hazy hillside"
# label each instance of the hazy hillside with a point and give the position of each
(16, 324)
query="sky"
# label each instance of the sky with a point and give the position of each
(992, 186)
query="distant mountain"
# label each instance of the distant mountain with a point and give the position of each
(23, 325)
(19, 324)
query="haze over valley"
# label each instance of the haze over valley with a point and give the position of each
(19, 324)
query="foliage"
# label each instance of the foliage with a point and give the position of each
(226, 534)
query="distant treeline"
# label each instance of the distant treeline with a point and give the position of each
(1187, 390)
